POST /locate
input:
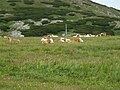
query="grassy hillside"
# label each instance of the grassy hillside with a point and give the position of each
(91, 65)
(81, 16)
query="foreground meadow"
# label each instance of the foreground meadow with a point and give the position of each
(30, 65)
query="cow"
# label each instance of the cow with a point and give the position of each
(71, 41)
(62, 39)
(13, 39)
(77, 41)
(47, 40)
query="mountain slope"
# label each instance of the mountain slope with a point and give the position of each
(82, 16)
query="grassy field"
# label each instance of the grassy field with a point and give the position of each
(30, 65)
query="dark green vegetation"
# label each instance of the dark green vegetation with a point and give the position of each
(82, 16)
(92, 65)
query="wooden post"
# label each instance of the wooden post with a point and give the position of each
(66, 31)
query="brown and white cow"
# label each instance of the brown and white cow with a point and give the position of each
(62, 40)
(13, 39)
(77, 41)
(47, 40)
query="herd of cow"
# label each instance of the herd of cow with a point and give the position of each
(49, 39)
(91, 35)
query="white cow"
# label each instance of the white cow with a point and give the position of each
(62, 39)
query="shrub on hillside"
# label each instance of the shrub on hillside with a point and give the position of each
(52, 17)
(100, 22)
(29, 2)
(44, 30)
(116, 32)
(7, 19)
(4, 28)
(12, 4)
(81, 22)
(88, 13)
(57, 3)
(92, 29)
(72, 14)
(14, 1)
(38, 13)
(3, 11)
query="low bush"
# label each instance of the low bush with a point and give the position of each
(38, 13)
(44, 30)
(28, 2)
(4, 28)
(12, 4)
(14, 1)
(57, 3)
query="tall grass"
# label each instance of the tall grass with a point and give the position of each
(29, 64)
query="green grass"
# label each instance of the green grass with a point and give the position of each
(94, 64)
(87, 18)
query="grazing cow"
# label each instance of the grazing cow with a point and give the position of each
(62, 39)
(77, 35)
(47, 40)
(51, 41)
(5, 37)
(68, 40)
(13, 39)
(22, 36)
(101, 34)
(98, 35)
(71, 41)
(77, 41)
(53, 36)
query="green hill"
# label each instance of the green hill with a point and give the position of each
(82, 16)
